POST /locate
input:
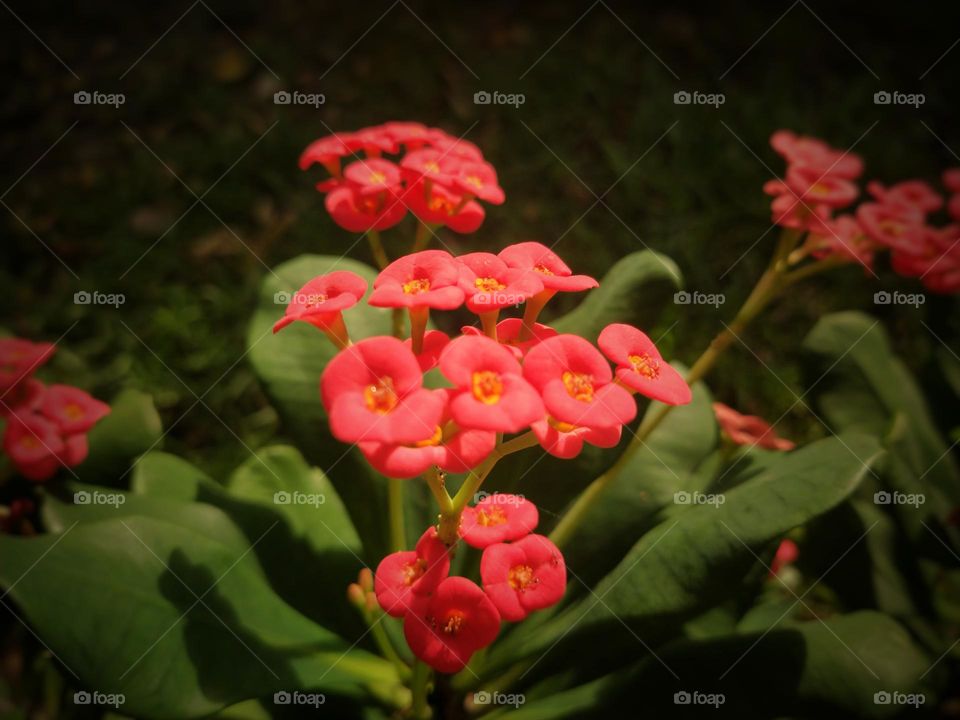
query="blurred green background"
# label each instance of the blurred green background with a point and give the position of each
(598, 121)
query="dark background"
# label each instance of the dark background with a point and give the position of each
(598, 120)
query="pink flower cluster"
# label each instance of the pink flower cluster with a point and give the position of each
(439, 177)
(512, 375)
(820, 180)
(447, 619)
(46, 425)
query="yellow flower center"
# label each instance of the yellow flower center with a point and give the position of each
(487, 387)
(432, 440)
(543, 269)
(453, 623)
(417, 286)
(645, 365)
(432, 166)
(475, 181)
(29, 442)
(560, 426)
(892, 227)
(488, 517)
(377, 178)
(520, 577)
(73, 411)
(380, 397)
(414, 571)
(579, 386)
(488, 284)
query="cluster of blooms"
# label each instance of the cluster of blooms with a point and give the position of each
(46, 425)
(447, 618)
(439, 178)
(819, 180)
(748, 429)
(513, 375)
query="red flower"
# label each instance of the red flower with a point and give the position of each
(434, 341)
(524, 576)
(508, 335)
(749, 429)
(19, 359)
(455, 147)
(373, 176)
(373, 391)
(452, 449)
(640, 365)
(425, 279)
(789, 211)
(816, 155)
(910, 194)
(478, 179)
(445, 628)
(498, 518)
(429, 164)
(787, 554)
(23, 397)
(489, 284)
(71, 409)
(402, 575)
(842, 237)
(812, 187)
(491, 393)
(575, 382)
(358, 212)
(372, 140)
(435, 204)
(322, 300)
(565, 441)
(37, 447)
(893, 226)
(410, 134)
(327, 151)
(550, 269)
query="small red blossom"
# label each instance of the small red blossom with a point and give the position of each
(373, 391)
(498, 518)
(433, 203)
(817, 155)
(454, 147)
(358, 212)
(428, 279)
(410, 134)
(789, 211)
(551, 270)
(749, 429)
(508, 335)
(322, 300)
(842, 237)
(575, 382)
(566, 441)
(640, 365)
(401, 575)
(909, 194)
(372, 176)
(37, 448)
(478, 179)
(429, 164)
(524, 576)
(451, 448)
(20, 358)
(893, 226)
(434, 341)
(491, 393)
(71, 409)
(445, 628)
(490, 284)
(812, 187)
(953, 206)
(372, 140)
(327, 151)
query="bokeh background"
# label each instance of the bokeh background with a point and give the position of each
(181, 198)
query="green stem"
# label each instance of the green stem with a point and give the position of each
(376, 247)
(422, 237)
(420, 687)
(398, 537)
(386, 647)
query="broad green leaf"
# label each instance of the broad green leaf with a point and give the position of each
(698, 557)
(154, 608)
(132, 428)
(164, 475)
(833, 668)
(289, 365)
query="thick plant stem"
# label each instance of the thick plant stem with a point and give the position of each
(398, 538)
(420, 685)
(418, 326)
(376, 248)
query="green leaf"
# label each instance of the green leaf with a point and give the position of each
(164, 475)
(155, 607)
(699, 556)
(289, 365)
(132, 428)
